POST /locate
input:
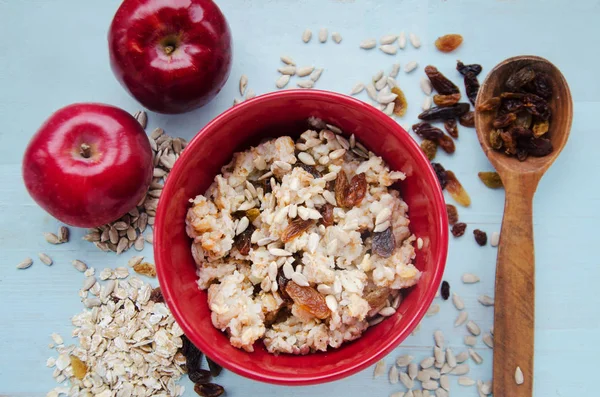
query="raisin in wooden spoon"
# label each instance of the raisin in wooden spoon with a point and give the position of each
(515, 272)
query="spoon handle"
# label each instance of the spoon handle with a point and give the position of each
(514, 309)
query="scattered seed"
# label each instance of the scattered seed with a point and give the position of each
(306, 35)
(379, 369)
(446, 368)
(384, 98)
(305, 83)
(441, 393)
(462, 317)
(458, 302)
(462, 357)
(445, 382)
(461, 369)
(419, 243)
(357, 89)
(141, 117)
(122, 245)
(250, 93)
(389, 49)
(450, 358)
(287, 60)
(388, 39)
(426, 86)
(52, 238)
(465, 381)
(79, 265)
(304, 71)
(46, 260)
(398, 394)
(413, 370)
(63, 234)
(92, 302)
(473, 328)
(25, 263)
(470, 340)
(406, 380)
(402, 40)
(323, 35)
(316, 75)
(393, 375)
(243, 84)
(387, 311)
(337, 38)
(495, 239)
(470, 278)
(404, 360)
(486, 388)
(88, 283)
(371, 91)
(139, 243)
(488, 340)
(282, 81)
(438, 337)
(409, 67)
(486, 300)
(475, 356)
(519, 378)
(430, 385)
(368, 44)
(414, 40)
(433, 310)
(381, 83)
(391, 82)
(440, 357)
(426, 105)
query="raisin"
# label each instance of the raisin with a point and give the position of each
(496, 141)
(467, 119)
(458, 229)
(537, 106)
(456, 190)
(541, 85)
(440, 172)
(309, 299)
(491, 104)
(208, 389)
(215, 369)
(252, 214)
(341, 188)
(429, 147)
(522, 154)
(540, 128)
(156, 295)
(145, 269)
(427, 131)
(242, 241)
(445, 290)
(440, 82)
(452, 213)
(464, 69)
(446, 100)
(281, 283)
(309, 168)
(193, 356)
(520, 78)
(357, 190)
(443, 113)
(480, 237)
(377, 297)
(471, 87)
(200, 376)
(327, 214)
(523, 120)
(400, 103)
(511, 105)
(79, 367)
(521, 134)
(294, 229)
(447, 144)
(538, 147)
(383, 243)
(451, 128)
(504, 120)
(509, 143)
(448, 42)
(490, 179)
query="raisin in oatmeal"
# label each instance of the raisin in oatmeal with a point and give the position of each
(301, 244)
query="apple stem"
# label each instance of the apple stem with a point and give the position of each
(85, 150)
(169, 49)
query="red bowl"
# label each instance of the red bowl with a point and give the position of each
(285, 113)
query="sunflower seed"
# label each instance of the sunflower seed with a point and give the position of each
(323, 34)
(122, 245)
(519, 378)
(450, 358)
(465, 381)
(488, 340)
(368, 44)
(419, 243)
(371, 91)
(423, 376)
(413, 369)
(287, 60)
(387, 311)
(381, 227)
(52, 238)
(445, 382)
(418, 393)
(287, 70)
(305, 71)
(430, 385)
(135, 260)
(159, 173)
(91, 302)
(379, 369)
(282, 81)
(495, 239)
(486, 300)
(384, 99)
(337, 38)
(461, 369)
(279, 252)
(107, 289)
(141, 118)
(250, 93)
(25, 263)
(433, 373)
(383, 215)
(389, 49)
(473, 328)
(486, 388)
(438, 337)
(433, 310)
(393, 375)
(79, 265)
(357, 89)
(95, 236)
(406, 380)
(458, 302)
(46, 260)
(414, 40)
(402, 40)
(470, 278)
(305, 83)
(409, 67)
(446, 368)
(475, 356)
(156, 133)
(243, 84)
(441, 393)
(388, 39)
(391, 82)
(88, 283)
(398, 394)
(440, 356)
(316, 74)
(470, 340)
(462, 357)
(426, 86)
(427, 362)
(382, 82)
(139, 243)
(149, 238)
(395, 70)
(131, 234)
(409, 394)
(389, 109)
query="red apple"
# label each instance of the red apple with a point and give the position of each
(88, 164)
(171, 55)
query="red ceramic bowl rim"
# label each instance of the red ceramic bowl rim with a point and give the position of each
(213, 127)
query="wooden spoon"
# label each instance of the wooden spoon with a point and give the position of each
(515, 267)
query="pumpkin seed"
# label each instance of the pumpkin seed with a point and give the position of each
(413, 370)
(371, 91)
(465, 381)
(461, 369)
(287, 60)
(430, 385)
(438, 337)
(316, 74)
(305, 83)
(450, 358)
(282, 81)
(462, 357)
(406, 380)
(470, 340)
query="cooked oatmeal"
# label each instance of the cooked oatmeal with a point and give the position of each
(302, 244)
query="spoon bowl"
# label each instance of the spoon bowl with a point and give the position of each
(514, 309)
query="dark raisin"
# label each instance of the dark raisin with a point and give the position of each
(156, 295)
(537, 147)
(295, 228)
(446, 100)
(441, 174)
(511, 105)
(464, 69)
(327, 214)
(467, 119)
(480, 237)
(520, 78)
(383, 243)
(193, 356)
(471, 87)
(242, 240)
(504, 120)
(444, 113)
(537, 106)
(452, 213)
(447, 144)
(309, 168)
(427, 131)
(458, 229)
(490, 104)
(445, 290)
(209, 390)
(541, 85)
(215, 369)
(508, 141)
(522, 154)
(199, 376)
(440, 82)
(281, 283)
(451, 128)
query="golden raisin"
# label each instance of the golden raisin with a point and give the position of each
(400, 104)
(145, 269)
(295, 228)
(456, 190)
(309, 299)
(357, 190)
(429, 147)
(540, 128)
(490, 104)
(495, 138)
(377, 297)
(446, 100)
(79, 367)
(452, 213)
(447, 144)
(467, 119)
(252, 214)
(490, 179)
(448, 42)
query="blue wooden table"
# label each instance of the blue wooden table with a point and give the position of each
(53, 53)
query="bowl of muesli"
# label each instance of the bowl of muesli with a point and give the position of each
(301, 236)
